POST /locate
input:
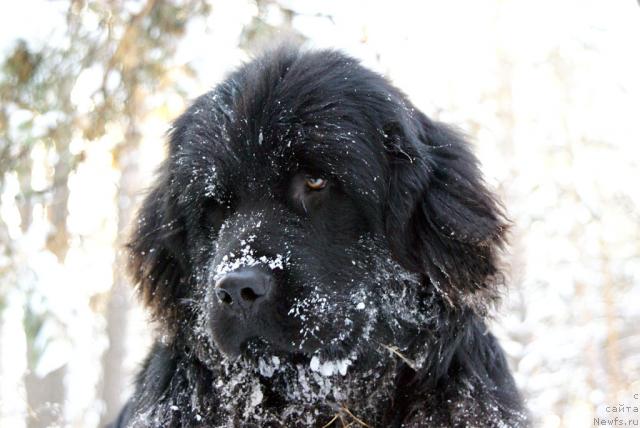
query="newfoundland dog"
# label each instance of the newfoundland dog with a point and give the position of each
(318, 252)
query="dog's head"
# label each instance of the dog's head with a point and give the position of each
(306, 206)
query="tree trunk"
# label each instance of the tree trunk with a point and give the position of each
(46, 395)
(57, 210)
(118, 307)
(45, 398)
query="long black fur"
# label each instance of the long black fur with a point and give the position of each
(390, 270)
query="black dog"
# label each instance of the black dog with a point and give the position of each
(317, 252)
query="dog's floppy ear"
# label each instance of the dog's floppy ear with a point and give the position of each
(157, 260)
(442, 220)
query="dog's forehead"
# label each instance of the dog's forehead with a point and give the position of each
(267, 154)
(321, 114)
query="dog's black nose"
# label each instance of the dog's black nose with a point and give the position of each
(243, 289)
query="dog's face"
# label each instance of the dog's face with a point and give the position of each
(308, 209)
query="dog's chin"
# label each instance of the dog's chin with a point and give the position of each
(254, 348)
(228, 342)
(233, 345)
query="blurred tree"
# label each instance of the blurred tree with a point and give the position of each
(141, 59)
(272, 23)
(131, 46)
(32, 83)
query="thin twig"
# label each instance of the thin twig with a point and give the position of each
(344, 424)
(332, 420)
(395, 350)
(355, 418)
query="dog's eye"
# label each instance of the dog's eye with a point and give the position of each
(315, 183)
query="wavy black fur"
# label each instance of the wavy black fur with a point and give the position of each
(388, 272)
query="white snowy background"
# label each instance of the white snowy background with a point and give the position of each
(549, 93)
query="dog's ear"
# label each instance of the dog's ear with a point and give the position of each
(157, 261)
(442, 220)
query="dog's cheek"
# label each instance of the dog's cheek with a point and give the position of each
(317, 315)
(396, 300)
(329, 297)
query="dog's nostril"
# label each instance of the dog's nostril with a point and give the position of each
(243, 289)
(248, 294)
(224, 296)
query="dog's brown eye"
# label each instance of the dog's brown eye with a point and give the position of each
(315, 183)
